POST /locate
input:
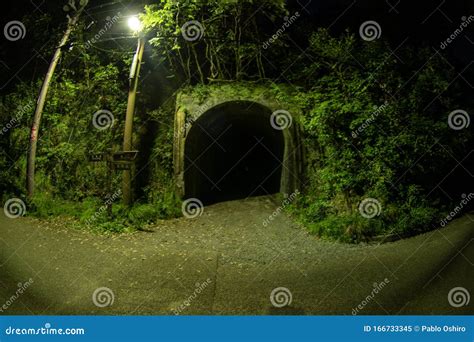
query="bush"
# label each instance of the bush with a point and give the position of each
(44, 205)
(143, 214)
(347, 228)
(361, 142)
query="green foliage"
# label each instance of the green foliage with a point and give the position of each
(87, 80)
(44, 206)
(231, 31)
(142, 214)
(346, 227)
(372, 130)
(93, 214)
(374, 125)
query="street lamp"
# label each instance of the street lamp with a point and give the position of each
(136, 26)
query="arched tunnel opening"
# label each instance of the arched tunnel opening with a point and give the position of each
(233, 152)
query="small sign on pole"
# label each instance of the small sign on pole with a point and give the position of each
(116, 161)
(97, 157)
(122, 165)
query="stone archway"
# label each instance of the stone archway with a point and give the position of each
(227, 147)
(231, 152)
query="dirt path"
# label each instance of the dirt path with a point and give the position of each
(227, 262)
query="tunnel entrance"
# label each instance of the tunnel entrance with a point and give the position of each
(233, 152)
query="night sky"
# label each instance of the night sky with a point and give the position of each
(403, 23)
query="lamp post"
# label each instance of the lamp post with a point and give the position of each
(136, 26)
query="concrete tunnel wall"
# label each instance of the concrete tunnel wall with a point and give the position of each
(203, 125)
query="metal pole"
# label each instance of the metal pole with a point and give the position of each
(127, 136)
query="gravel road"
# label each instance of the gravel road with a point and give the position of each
(226, 261)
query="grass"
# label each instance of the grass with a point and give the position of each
(93, 214)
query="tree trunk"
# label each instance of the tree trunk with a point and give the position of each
(30, 173)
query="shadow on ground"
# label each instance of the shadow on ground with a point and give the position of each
(227, 262)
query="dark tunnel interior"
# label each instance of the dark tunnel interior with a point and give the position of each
(233, 152)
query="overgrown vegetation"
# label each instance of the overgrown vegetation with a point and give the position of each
(89, 79)
(224, 37)
(374, 124)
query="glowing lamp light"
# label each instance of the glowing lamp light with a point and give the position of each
(135, 24)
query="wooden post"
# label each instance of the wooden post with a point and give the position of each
(128, 133)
